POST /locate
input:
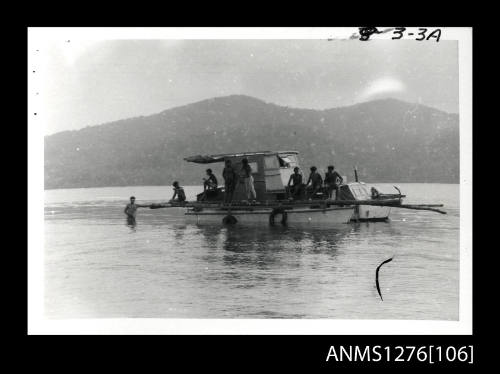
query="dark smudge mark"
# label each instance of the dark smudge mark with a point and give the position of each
(376, 276)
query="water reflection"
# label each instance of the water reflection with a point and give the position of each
(210, 234)
(268, 246)
(388, 227)
(179, 233)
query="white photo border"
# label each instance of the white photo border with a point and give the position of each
(38, 324)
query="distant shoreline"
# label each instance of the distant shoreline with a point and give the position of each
(200, 185)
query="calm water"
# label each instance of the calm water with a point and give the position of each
(97, 266)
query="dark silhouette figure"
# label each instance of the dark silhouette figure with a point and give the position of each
(315, 180)
(209, 185)
(332, 182)
(178, 192)
(297, 186)
(230, 178)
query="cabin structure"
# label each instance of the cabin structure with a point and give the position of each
(271, 171)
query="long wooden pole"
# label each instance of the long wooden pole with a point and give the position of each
(356, 208)
(418, 207)
(302, 203)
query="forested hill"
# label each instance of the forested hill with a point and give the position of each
(389, 140)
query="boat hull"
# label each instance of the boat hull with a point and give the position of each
(333, 215)
(371, 213)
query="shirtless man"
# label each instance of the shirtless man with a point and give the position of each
(315, 180)
(230, 178)
(131, 209)
(210, 183)
(332, 182)
(178, 192)
(297, 186)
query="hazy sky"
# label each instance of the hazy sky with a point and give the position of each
(88, 83)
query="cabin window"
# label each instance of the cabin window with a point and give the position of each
(272, 173)
(271, 162)
(284, 162)
(292, 158)
(254, 166)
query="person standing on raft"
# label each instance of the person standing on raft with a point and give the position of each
(230, 178)
(246, 174)
(332, 182)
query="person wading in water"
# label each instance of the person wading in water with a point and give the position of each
(131, 210)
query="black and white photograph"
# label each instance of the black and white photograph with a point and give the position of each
(250, 180)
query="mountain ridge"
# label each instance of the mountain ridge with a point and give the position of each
(381, 136)
(388, 99)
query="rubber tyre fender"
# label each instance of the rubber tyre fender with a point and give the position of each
(276, 211)
(229, 220)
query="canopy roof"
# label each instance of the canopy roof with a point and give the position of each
(207, 159)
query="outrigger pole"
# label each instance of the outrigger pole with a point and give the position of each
(302, 203)
(356, 208)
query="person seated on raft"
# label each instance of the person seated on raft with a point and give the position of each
(332, 182)
(209, 185)
(178, 192)
(375, 193)
(297, 186)
(315, 180)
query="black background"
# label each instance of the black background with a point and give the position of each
(236, 353)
